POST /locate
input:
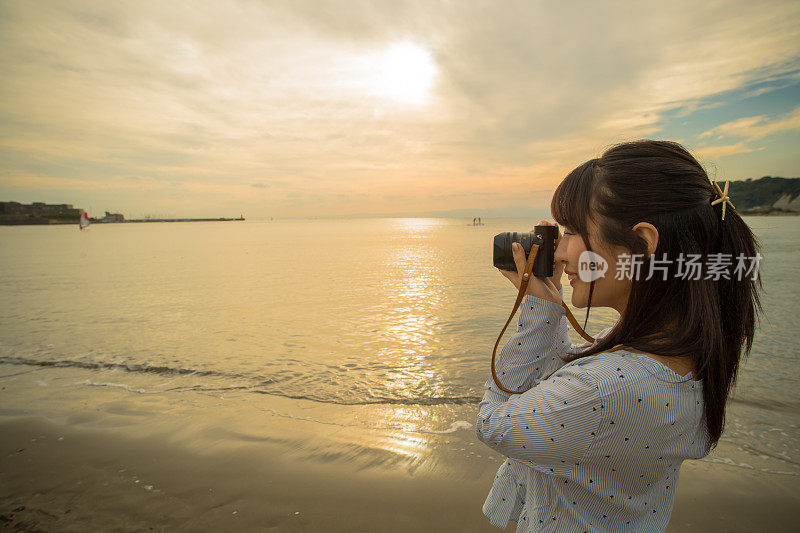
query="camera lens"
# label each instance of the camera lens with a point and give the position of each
(544, 236)
(503, 257)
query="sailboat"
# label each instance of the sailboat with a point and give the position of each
(84, 221)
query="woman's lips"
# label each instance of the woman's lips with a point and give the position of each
(572, 276)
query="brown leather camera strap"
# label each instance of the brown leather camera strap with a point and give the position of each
(523, 287)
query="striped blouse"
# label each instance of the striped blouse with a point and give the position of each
(597, 446)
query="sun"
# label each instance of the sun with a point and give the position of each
(406, 72)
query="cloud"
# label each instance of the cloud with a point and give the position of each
(715, 152)
(756, 127)
(211, 97)
(747, 130)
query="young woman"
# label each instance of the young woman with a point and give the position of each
(596, 440)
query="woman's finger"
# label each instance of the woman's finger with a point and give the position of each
(519, 258)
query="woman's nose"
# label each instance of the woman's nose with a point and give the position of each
(561, 250)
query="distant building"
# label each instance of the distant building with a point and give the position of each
(38, 209)
(113, 217)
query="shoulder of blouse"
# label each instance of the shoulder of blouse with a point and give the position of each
(620, 375)
(549, 427)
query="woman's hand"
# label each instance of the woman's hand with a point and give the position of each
(545, 288)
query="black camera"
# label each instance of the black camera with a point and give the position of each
(544, 236)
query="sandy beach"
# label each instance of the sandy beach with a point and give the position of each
(111, 466)
(81, 480)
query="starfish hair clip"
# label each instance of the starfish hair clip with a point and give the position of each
(723, 197)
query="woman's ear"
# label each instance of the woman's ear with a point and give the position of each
(649, 233)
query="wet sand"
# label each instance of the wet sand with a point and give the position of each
(67, 478)
(54, 478)
(100, 454)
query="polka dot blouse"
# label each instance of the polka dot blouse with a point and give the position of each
(598, 445)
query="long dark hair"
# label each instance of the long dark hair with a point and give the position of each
(710, 320)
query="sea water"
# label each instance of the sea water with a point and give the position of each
(398, 314)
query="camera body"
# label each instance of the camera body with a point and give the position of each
(544, 236)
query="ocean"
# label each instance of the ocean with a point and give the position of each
(373, 334)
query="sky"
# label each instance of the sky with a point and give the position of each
(303, 108)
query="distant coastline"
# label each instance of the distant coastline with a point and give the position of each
(766, 196)
(41, 221)
(168, 220)
(42, 214)
(770, 196)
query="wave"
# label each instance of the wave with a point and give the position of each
(106, 384)
(426, 400)
(455, 426)
(771, 405)
(731, 462)
(257, 387)
(147, 369)
(280, 383)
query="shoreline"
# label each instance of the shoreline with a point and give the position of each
(106, 450)
(95, 472)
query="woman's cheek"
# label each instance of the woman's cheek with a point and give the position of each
(575, 253)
